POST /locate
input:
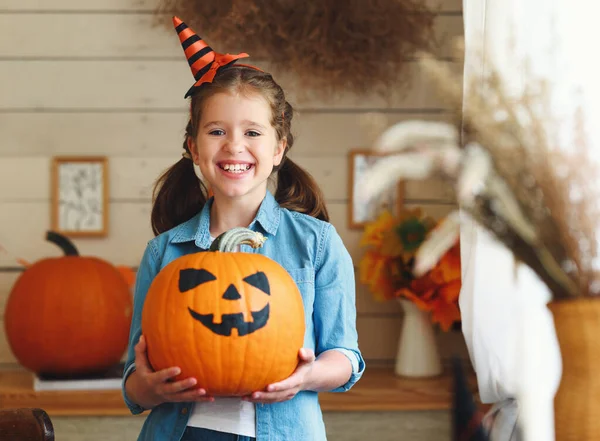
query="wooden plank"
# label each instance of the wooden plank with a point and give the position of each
(28, 222)
(453, 6)
(132, 35)
(77, 6)
(452, 344)
(130, 224)
(144, 84)
(366, 303)
(84, 35)
(6, 356)
(378, 338)
(351, 237)
(378, 333)
(7, 280)
(133, 178)
(147, 5)
(378, 390)
(161, 133)
(331, 174)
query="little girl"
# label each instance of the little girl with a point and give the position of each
(238, 135)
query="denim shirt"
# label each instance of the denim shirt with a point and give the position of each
(312, 252)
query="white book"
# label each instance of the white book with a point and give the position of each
(110, 381)
(92, 384)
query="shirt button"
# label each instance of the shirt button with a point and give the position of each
(184, 410)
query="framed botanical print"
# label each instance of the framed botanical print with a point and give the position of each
(79, 202)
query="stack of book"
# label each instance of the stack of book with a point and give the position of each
(108, 380)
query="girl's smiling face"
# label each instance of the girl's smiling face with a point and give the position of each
(236, 146)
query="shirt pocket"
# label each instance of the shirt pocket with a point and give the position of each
(305, 281)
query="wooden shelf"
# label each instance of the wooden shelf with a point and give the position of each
(378, 390)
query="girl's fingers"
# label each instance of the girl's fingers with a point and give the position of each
(165, 375)
(289, 383)
(141, 359)
(306, 355)
(191, 395)
(269, 397)
(179, 386)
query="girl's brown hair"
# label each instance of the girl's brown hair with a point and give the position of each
(179, 194)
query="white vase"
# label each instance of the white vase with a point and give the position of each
(418, 354)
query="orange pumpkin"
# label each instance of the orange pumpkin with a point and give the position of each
(234, 321)
(68, 316)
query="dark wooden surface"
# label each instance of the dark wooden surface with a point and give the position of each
(25, 424)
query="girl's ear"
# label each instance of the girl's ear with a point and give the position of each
(279, 151)
(193, 149)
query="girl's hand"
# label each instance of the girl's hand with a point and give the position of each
(160, 387)
(288, 388)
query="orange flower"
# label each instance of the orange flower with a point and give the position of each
(448, 268)
(450, 291)
(386, 267)
(440, 299)
(418, 300)
(444, 313)
(374, 272)
(375, 231)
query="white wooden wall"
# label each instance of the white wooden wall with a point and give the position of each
(95, 78)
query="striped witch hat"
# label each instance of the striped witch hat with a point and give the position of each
(203, 60)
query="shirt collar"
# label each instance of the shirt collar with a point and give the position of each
(197, 229)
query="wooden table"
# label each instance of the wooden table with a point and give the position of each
(378, 390)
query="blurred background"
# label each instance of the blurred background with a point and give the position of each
(103, 79)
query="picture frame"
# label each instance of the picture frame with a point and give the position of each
(79, 201)
(360, 212)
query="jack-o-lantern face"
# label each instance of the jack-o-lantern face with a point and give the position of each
(232, 320)
(191, 278)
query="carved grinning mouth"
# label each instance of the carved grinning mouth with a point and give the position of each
(233, 321)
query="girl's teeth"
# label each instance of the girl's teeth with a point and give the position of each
(236, 168)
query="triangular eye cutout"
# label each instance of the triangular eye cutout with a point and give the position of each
(260, 281)
(190, 278)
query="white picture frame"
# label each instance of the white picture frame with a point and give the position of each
(79, 206)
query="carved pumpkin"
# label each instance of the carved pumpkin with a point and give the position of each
(234, 321)
(68, 316)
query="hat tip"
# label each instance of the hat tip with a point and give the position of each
(176, 20)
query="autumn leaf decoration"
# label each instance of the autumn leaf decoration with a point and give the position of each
(387, 266)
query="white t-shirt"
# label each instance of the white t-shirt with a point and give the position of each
(225, 414)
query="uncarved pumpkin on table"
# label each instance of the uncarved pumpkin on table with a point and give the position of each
(68, 316)
(232, 320)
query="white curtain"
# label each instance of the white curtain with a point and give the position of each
(507, 327)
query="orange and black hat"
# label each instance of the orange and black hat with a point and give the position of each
(203, 60)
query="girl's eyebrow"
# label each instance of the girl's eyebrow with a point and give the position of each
(254, 123)
(213, 123)
(246, 121)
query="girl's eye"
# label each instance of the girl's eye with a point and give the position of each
(252, 133)
(216, 132)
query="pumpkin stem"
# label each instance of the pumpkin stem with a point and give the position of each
(63, 242)
(229, 240)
